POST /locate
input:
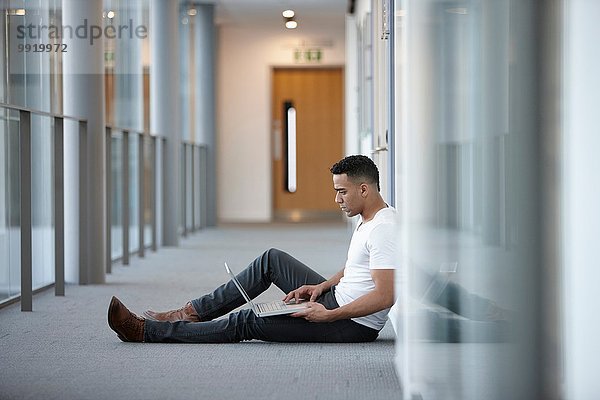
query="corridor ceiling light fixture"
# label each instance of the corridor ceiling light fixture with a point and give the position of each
(290, 22)
(185, 20)
(192, 11)
(110, 14)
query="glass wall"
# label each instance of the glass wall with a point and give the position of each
(42, 196)
(148, 192)
(187, 51)
(29, 77)
(134, 193)
(365, 83)
(116, 217)
(31, 60)
(469, 194)
(10, 240)
(127, 104)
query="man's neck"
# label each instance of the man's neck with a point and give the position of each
(369, 212)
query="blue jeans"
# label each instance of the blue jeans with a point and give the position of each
(273, 266)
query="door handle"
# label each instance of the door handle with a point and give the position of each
(291, 157)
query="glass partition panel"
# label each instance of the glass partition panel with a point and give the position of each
(4, 206)
(9, 230)
(158, 190)
(197, 182)
(468, 164)
(29, 77)
(10, 239)
(148, 191)
(188, 187)
(124, 64)
(30, 72)
(134, 192)
(42, 200)
(14, 206)
(116, 217)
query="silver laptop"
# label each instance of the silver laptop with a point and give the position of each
(439, 281)
(266, 309)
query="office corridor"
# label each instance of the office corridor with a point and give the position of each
(64, 349)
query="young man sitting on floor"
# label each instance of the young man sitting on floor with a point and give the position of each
(351, 306)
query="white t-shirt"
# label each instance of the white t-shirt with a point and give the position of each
(374, 245)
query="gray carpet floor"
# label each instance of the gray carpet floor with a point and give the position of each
(64, 349)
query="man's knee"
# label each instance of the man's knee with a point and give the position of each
(274, 253)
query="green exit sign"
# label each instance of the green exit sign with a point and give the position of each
(308, 55)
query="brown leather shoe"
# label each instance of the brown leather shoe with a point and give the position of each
(185, 313)
(128, 326)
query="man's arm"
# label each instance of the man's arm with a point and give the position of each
(334, 280)
(380, 298)
(313, 291)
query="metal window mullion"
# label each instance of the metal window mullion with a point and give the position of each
(125, 199)
(203, 186)
(152, 192)
(25, 181)
(184, 190)
(109, 191)
(163, 175)
(59, 208)
(141, 203)
(198, 183)
(193, 188)
(83, 203)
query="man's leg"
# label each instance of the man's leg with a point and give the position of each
(245, 325)
(454, 297)
(273, 266)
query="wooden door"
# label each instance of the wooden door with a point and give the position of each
(316, 95)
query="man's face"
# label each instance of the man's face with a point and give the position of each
(348, 195)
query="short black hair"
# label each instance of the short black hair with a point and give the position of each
(358, 166)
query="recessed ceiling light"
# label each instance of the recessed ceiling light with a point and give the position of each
(192, 12)
(291, 24)
(110, 14)
(288, 14)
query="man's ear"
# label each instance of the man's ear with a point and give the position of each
(364, 189)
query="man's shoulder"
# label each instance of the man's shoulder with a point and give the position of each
(388, 216)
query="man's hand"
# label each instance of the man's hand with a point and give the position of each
(310, 292)
(314, 312)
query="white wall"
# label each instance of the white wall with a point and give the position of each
(245, 60)
(581, 196)
(351, 140)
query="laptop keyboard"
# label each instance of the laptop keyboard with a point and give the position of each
(274, 306)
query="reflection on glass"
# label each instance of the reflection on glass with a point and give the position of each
(148, 188)
(117, 195)
(42, 201)
(188, 188)
(124, 66)
(134, 193)
(9, 230)
(29, 79)
(468, 200)
(197, 183)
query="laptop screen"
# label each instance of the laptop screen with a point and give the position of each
(239, 285)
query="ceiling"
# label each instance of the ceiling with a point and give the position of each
(309, 13)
